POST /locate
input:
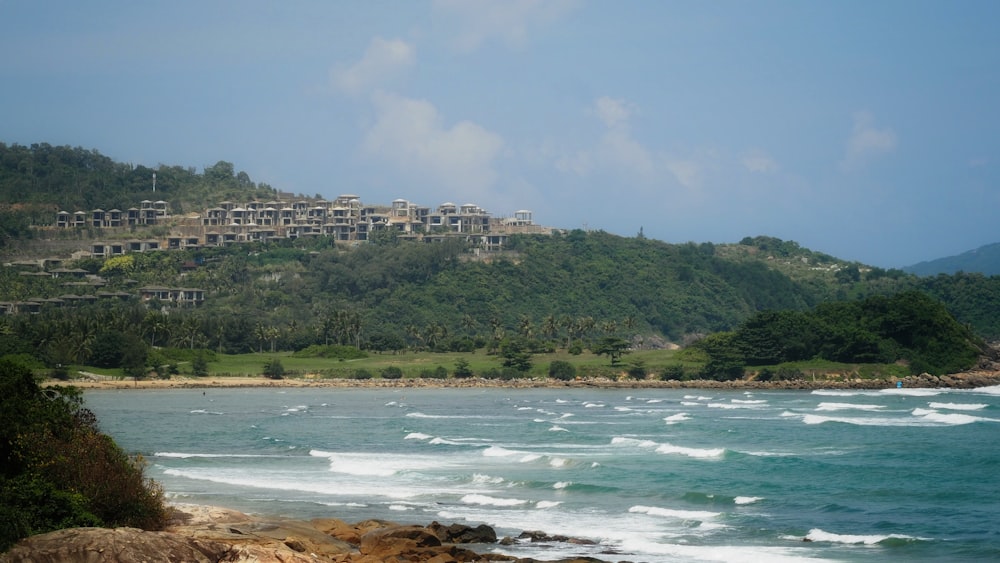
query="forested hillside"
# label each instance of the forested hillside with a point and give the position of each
(573, 286)
(984, 260)
(40, 179)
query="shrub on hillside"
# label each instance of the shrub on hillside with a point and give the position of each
(273, 369)
(562, 370)
(462, 369)
(673, 372)
(391, 372)
(58, 470)
(437, 373)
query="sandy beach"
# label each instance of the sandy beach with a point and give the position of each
(965, 380)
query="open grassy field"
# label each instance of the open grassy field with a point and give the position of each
(423, 364)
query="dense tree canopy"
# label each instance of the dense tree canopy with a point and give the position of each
(58, 470)
(908, 327)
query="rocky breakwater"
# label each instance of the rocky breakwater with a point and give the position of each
(202, 534)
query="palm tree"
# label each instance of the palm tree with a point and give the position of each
(260, 334)
(271, 334)
(525, 326)
(469, 324)
(550, 326)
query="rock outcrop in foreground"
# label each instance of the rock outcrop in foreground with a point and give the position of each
(203, 534)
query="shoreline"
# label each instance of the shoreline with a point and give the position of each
(965, 380)
(205, 533)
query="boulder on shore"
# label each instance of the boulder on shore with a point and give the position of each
(207, 534)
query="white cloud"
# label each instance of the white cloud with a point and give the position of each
(411, 135)
(616, 150)
(478, 21)
(686, 172)
(614, 113)
(757, 161)
(383, 60)
(867, 142)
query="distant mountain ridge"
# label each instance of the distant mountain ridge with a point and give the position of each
(984, 260)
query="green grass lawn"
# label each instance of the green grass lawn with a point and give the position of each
(415, 364)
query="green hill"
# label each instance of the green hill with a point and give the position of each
(287, 295)
(984, 260)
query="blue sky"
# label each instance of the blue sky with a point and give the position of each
(866, 130)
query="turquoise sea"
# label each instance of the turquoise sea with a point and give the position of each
(650, 475)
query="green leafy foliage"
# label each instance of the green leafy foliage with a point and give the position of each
(273, 369)
(562, 370)
(909, 327)
(391, 372)
(39, 175)
(611, 346)
(58, 470)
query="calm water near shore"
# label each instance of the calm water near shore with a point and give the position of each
(650, 474)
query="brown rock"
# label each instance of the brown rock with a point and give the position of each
(460, 533)
(395, 540)
(124, 545)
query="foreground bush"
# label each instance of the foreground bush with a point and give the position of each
(58, 470)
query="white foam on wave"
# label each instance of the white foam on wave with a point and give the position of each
(559, 462)
(292, 483)
(594, 405)
(673, 513)
(483, 479)
(558, 429)
(418, 436)
(952, 419)
(911, 392)
(860, 421)
(991, 390)
(623, 441)
(836, 393)
(377, 465)
(561, 484)
(700, 453)
(184, 455)
(440, 441)
(425, 415)
(497, 451)
(958, 406)
(919, 417)
(750, 401)
(817, 534)
(543, 504)
(768, 454)
(486, 500)
(676, 418)
(203, 411)
(747, 500)
(737, 405)
(667, 448)
(848, 406)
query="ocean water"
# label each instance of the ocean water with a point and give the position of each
(649, 475)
